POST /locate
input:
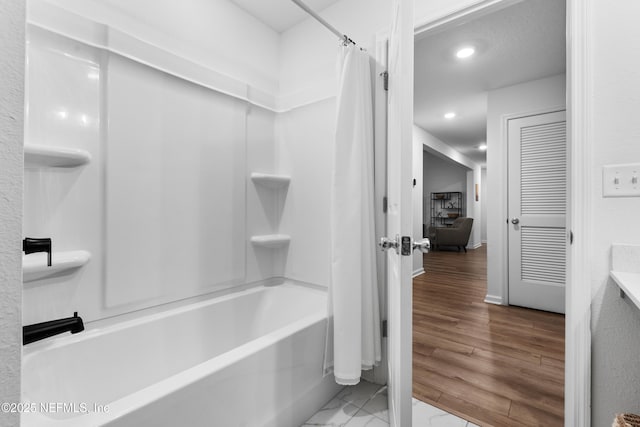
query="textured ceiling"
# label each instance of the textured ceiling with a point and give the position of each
(280, 14)
(516, 44)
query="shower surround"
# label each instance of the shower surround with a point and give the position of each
(172, 184)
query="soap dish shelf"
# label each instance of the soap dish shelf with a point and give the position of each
(271, 240)
(60, 157)
(34, 266)
(270, 180)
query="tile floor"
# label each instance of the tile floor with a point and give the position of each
(366, 405)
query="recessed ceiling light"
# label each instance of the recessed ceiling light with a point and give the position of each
(465, 52)
(450, 115)
(482, 147)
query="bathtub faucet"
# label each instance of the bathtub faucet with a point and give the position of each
(31, 245)
(40, 331)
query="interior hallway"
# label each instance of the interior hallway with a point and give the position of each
(492, 365)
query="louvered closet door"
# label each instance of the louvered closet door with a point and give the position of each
(537, 211)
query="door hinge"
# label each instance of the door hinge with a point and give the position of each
(384, 329)
(385, 204)
(385, 79)
(570, 237)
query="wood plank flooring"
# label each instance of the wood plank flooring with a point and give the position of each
(492, 365)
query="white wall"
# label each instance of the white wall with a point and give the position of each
(12, 42)
(474, 209)
(523, 98)
(442, 175)
(483, 205)
(308, 84)
(304, 140)
(472, 173)
(616, 139)
(308, 51)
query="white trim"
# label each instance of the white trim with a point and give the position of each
(320, 91)
(450, 18)
(474, 246)
(119, 43)
(418, 272)
(434, 146)
(494, 299)
(577, 409)
(579, 114)
(380, 372)
(484, 242)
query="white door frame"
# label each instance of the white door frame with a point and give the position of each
(579, 114)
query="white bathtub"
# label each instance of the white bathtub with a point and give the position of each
(252, 358)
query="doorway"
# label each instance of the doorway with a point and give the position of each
(459, 286)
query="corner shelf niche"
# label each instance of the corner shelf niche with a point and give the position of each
(59, 157)
(34, 266)
(270, 180)
(273, 182)
(271, 240)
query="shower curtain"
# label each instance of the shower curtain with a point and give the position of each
(353, 342)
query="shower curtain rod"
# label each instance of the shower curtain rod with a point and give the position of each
(346, 40)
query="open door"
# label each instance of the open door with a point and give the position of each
(399, 213)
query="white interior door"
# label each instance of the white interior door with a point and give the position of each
(399, 213)
(537, 211)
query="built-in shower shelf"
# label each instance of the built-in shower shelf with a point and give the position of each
(629, 284)
(271, 240)
(34, 266)
(270, 180)
(59, 157)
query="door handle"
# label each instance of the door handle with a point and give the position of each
(387, 243)
(423, 245)
(515, 221)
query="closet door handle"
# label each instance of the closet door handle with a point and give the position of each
(515, 221)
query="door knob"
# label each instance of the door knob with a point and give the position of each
(515, 221)
(387, 243)
(423, 245)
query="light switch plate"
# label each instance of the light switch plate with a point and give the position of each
(621, 180)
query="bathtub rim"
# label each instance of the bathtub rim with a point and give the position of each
(124, 320)
(147, 395)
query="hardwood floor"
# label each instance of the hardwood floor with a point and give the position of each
(492, 365)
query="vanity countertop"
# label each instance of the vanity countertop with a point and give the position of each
(629, 284)
(625, 270)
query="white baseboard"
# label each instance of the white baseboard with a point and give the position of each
(476, 246)
(418, 272)
(484, 242)
(493, 299)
